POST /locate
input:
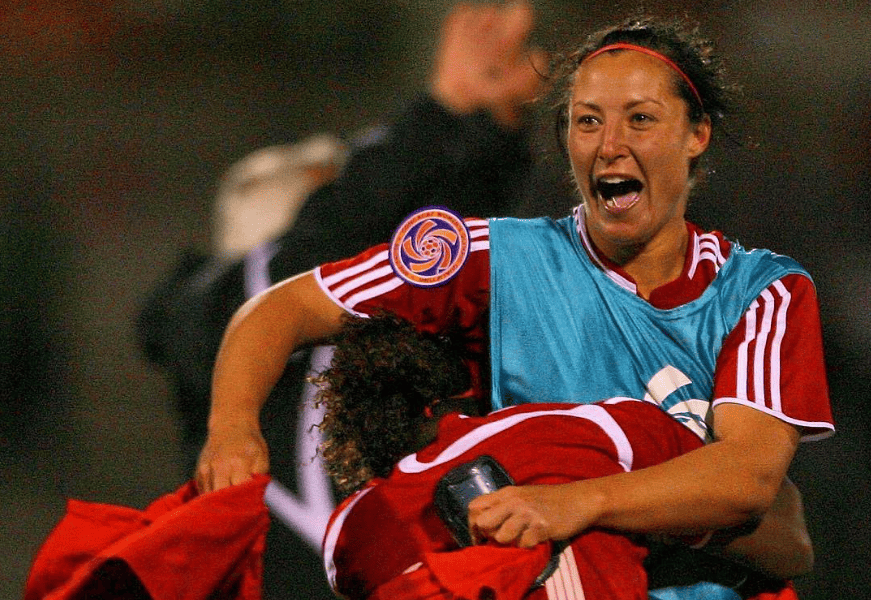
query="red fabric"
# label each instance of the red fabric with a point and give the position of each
(607, 565)
(468, 574)
(416, 585)
(791, 381)
(181, 547)
(488, 571)
(377, 534)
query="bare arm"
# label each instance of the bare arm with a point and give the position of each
(259, 340)
(723, 484)
(779, 546)
(776, 546)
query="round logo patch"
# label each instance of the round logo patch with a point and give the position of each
(430, 247)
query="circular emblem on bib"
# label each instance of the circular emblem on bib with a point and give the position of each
(430, 247)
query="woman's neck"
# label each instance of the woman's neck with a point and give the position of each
(655, 263)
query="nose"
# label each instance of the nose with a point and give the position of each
(612, 144)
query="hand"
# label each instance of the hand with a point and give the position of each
(483, 62)
(528, 515)
(231, 456)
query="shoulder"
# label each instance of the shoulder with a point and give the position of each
(716, 246)
(434, 254)
(763, 259)
(425, 245)
(512, 234)
(532, 224)
(759, 268)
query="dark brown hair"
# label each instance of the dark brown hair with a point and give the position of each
(675, 39)
(382, 376)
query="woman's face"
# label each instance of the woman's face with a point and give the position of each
(630, 142)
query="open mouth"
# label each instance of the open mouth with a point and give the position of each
(619, 194)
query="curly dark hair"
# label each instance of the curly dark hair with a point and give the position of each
(675, 39)
(382, 376)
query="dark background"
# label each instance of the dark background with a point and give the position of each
(116, 118)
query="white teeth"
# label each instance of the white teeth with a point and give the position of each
(613, 180)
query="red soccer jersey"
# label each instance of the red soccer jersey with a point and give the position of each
(772, 360)
(390, 527)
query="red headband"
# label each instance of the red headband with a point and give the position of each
(654, 54)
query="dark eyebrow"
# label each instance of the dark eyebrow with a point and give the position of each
(628, 106)
(635, 103)
(588, 105)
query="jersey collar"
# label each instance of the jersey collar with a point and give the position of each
(706, 254)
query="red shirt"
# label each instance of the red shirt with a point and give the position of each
(772, 360)
(390, 527)
(181, 547)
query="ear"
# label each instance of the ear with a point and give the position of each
(700, 137)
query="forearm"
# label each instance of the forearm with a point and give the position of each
(722, 484)
(258, 342)
(709, 488)
(779, 546)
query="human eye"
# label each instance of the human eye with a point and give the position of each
(641, 119)
(587, 122)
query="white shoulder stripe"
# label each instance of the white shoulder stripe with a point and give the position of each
(755, 350)
(763, 330)
(779, 332)
(749, 333)
(354, 284)
(373, 292)
(350, 272)
(695, 261)
(326, 290)
(706, 247)
(362, 280)
(591, 412)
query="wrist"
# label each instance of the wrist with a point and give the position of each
(584, 506)
(231, 422)
(599, 503)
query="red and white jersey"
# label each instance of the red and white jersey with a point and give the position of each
(772, 360)
(390, 527)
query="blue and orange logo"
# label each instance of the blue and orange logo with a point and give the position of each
(429, 247)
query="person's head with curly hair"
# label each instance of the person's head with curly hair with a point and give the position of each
(385, 389)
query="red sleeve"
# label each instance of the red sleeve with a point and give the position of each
(773, 359)
(367, 283)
